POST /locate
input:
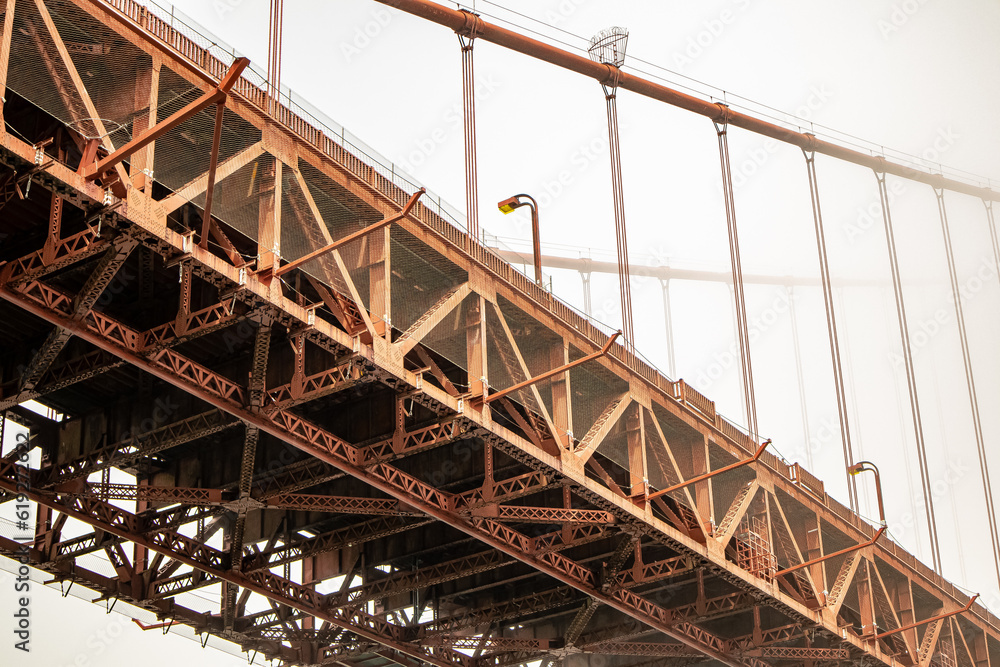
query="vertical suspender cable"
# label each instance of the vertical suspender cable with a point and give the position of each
(275, 28)
(852, 396)
(993, 235)
(738, 336)
(831, 326)
(610, 96)
(743, 334)
(608, 48)
(911, 381)
(467, 42)
(585, 277)
(902, 424)
(799, 377)
(668, 321)
(970, 381)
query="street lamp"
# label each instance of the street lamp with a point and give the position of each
(863, 466)
(855, 469)
(508, 205)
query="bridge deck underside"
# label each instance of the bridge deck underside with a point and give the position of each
(311, 450)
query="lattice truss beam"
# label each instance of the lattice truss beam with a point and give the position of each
(343, 396)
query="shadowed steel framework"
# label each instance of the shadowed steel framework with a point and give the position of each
(332, 421)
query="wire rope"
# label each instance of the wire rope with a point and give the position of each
(743, 335)
(831, 327)
(970, 381)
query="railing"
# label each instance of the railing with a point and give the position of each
(807, 481)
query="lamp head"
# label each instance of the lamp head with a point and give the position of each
(856, 469)
(508, 205)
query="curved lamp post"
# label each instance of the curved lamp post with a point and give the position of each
(864, 466)
(515, 202)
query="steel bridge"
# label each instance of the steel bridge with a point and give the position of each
(298, 360)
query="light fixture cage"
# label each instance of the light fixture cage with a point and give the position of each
(608, 46)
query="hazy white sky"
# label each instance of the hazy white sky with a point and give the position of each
(914, 76)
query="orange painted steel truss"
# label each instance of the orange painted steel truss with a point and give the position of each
(335, 413)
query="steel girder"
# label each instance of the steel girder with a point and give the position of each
(173, 367)
(371, 464)
(215, 563)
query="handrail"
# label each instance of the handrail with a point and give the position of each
(848, 550)
(929, 620)
(713, 473)
(555, 371)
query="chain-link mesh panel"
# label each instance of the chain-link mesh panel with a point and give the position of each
(661, 471)
(615, 446)
(833, 540)
(359, 258)
(503, 367)
(681, 439)
(450, 337)
(240, 199)
(727, 486)
(539, 348)
(422, 279)
(184, 153)
(342, 212)
(114, 74)
(595, 392)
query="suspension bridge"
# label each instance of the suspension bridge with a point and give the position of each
(363, 432)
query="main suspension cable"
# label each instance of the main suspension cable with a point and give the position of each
(743, 335)
(970, 381)
(911, 378)
(831, 327)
